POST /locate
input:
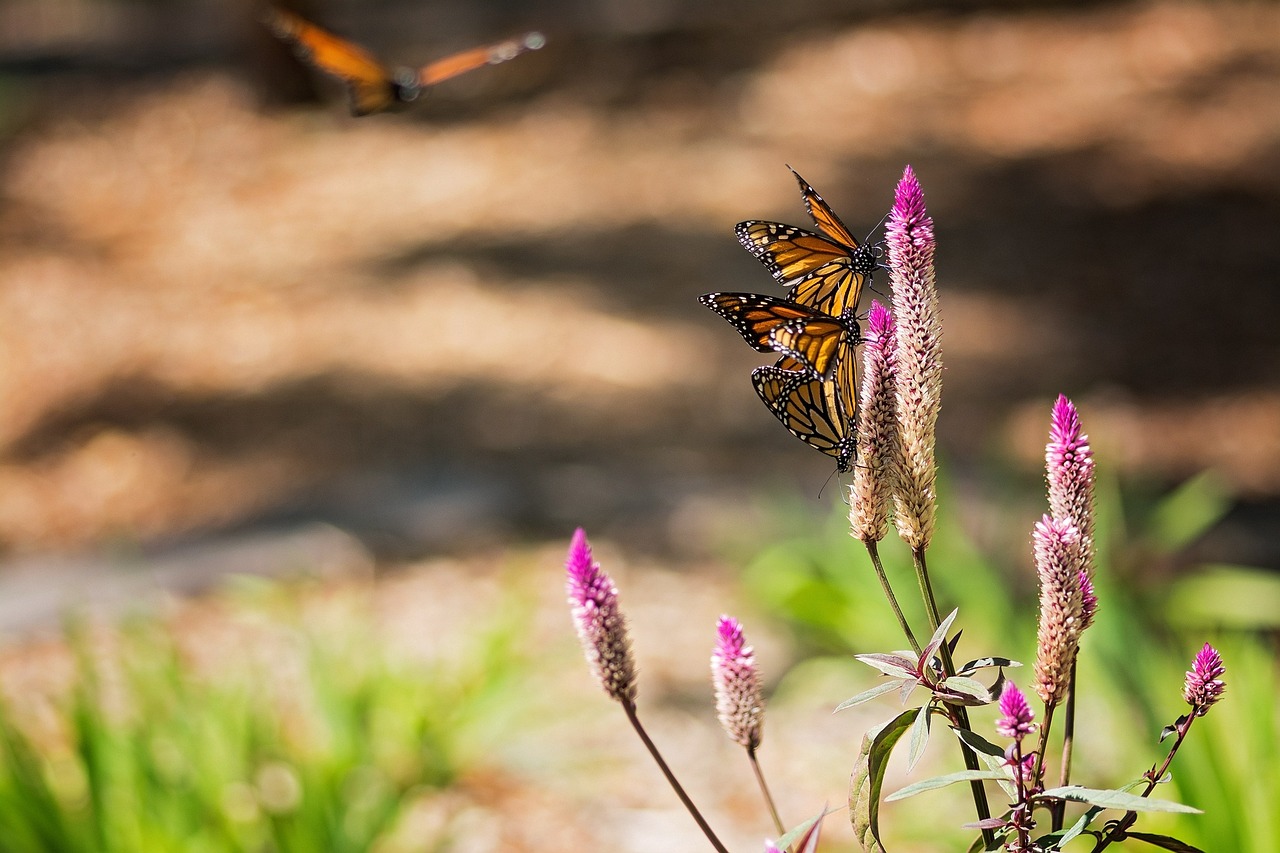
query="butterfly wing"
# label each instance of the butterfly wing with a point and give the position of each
(821, 273)
(823, 216)
(370, 88)
(477, 57)
(809, 408)
(755, 316)
(818, 342)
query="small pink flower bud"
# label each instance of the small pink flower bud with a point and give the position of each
(1015, 713)
(600, 624)
(737, 685)
(1204, 685)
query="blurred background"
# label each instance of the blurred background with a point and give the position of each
(396, 360)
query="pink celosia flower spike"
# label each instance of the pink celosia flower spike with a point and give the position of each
(1204, 685)
(737, 685)
(909, 236)
(874, 476)
(600, 624)
(1057, 554)
(1015, 713)
(1069, 471)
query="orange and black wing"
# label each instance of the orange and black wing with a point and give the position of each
(818, 343)
(824, 217)
(756, 316)
(821, 273)
(370, 87)
(477, 57)
(810, 409)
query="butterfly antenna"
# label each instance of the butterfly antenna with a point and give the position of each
(826, 483)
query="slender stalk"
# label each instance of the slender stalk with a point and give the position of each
(764, 790)
(874, 552)
(1044, 743)
(958, 714)
(1068, 742)
(630, 708)
(1154, 775)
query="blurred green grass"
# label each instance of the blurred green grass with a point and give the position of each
(325, 742)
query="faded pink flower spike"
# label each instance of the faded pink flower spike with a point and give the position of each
(737, 685)
(601, 626)
(1204, 685)
(1057, 554)
(909, 236)
(1069, 471)
(1088, 599)
(874, 476)
(1015, 713)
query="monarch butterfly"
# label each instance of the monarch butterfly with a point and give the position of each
(371, 86)
(817, 411)
(825, 271)
(769, 323)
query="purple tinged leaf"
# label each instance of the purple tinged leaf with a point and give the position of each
(935, 642)
(919, 737)
(986, 663)
(968, 687)
(894, 666)
(989, 823)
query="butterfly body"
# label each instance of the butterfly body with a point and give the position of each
(372, 87)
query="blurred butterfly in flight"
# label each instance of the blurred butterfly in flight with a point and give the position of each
(825, 271)
(373, 87)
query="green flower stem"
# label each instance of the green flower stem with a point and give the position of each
(874, 552)
(764, 790)
(958, 714)
(1154, 775)
(1068, 743)
(630, 708)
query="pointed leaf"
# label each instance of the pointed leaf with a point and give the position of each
(893, 666)
(868, 779)
(1112, 799)
(1165, 842)
(991, 756)
(935, 642)
(908, 687)
(985, 663)
(806, 834)
(968, 687)
(868, 695)
(1079, 826)
(943, 781)
(919, 737)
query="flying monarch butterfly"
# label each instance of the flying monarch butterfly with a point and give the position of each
(825, 271)
(770, 323)
(817, 411)
(371, 86)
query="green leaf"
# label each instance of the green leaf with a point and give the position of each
(1165, 842)
(919, 737)
(990, 755)
(968, 687)
(1192, 509)
(868, 695)
(1112, 799)
(943, 781)
(868, 779)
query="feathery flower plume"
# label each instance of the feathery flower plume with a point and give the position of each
(737, 684)
(1069, 471)
(873, 478)
(909, 235)
(1015, 713)
(1204, 685)
(1057, 554)
(601, 626)
(1088, 599)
